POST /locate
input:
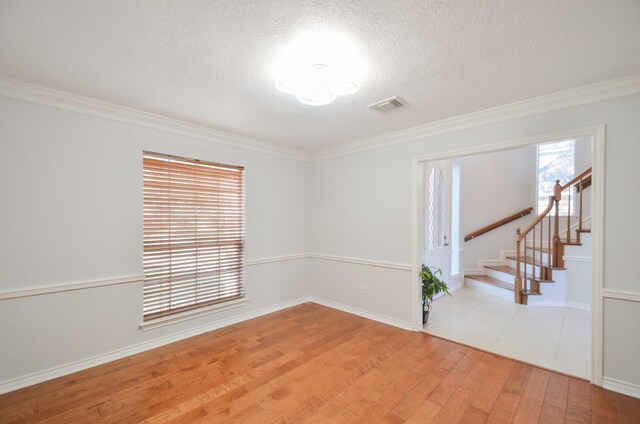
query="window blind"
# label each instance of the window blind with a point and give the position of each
(193, 234)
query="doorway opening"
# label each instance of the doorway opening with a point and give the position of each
(554, 319)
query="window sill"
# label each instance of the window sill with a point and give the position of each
(196, 313)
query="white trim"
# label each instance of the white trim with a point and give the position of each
(71, 367)
(582, 95)
(597, 134)
(576, 258)
(35, 291)
(368, 262)
(193, 314)
(578, 96)
(597, 264)
(261, 261)
(362, 313)
(621, 295)
(510, 144)
(67, 101)
(416, 261)
(535, 301)
(620, 386)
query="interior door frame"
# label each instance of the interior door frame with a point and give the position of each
(598, 137)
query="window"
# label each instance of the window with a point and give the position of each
(193, 234)
(436, 209)
(556, 161)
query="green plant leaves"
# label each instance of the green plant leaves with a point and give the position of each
(431, 285)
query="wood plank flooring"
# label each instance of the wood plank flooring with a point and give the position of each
(312, 364)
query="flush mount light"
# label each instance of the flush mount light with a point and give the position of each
(318, 66)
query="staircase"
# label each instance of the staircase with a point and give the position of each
(540, 248)
(497, 277)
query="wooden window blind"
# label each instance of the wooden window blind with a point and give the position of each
(193, 234)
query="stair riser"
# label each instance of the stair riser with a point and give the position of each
(545, 255)
(546, 259)
(512, 264)
(502, 276)
(489, 289)
(533, 286)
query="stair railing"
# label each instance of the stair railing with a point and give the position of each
(499, 223)
(528, 282)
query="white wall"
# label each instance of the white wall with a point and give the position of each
(362, 209)
(493, 186)
(71, 190)
(71, 210)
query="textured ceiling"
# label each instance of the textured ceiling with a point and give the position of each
(209, 62)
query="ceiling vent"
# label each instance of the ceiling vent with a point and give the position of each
(388, 105)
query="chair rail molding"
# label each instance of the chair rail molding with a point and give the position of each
(621, 295)
(56, 288)
(368, 262)
(62, 287)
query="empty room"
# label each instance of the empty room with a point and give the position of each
(308, 211)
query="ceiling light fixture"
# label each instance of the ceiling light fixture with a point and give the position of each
(318, 66)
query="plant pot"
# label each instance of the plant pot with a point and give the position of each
(425, 317)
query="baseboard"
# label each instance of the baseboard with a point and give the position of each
(559, 303)
(69, 368)
(623, 387)
(405, 325)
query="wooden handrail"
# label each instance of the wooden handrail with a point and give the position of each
(522, 233)
(586, 183)
(498, 223)
(577, 179)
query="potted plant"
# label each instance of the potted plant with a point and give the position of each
(431, 286)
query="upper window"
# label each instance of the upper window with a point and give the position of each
(193, 234)
(556, 161)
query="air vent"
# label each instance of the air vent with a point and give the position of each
(388, 105)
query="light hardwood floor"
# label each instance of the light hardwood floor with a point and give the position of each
(312, 364)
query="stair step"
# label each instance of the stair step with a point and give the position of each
(530, 293)
(536, 262)
(502, 268)
(584, 230)
(571, 243)
(512, 271)
(490, 280)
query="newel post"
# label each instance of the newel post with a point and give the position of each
(518, 281)
(557, 195)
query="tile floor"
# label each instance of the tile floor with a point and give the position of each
(551, 337)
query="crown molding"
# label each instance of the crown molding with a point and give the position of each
(578, 96)
(574, 97)
(63, 100)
